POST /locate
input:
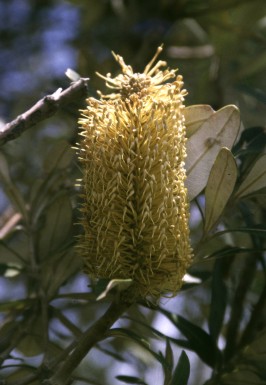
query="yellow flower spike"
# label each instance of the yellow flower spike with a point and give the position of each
(135, 210)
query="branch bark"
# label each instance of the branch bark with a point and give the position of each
(43, 109)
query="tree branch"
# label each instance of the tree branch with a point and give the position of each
(89, 338)
(42, 110)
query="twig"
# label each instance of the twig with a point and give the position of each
(42, 110)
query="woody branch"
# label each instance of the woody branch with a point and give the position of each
(43, 109)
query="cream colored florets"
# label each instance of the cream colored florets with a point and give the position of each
(135, 210)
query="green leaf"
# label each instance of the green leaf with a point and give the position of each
(20, 304)
(154, 332)
(77, 296)
(57, 223)
(24, 372)
(55, 164)
(255, 180)
(7, 331)
(11, 190)
(218, 299)
(59, 269)
(220, 186)
(66, 322)
(195, 116)
(125, 333)
(59, 157)
(249, 364)
(4, 169)
(33, 343)
(130, 380)
(199, 340)
(228, 251)
(253, 66)
(220, 130)
(182, 370)
(169, 362)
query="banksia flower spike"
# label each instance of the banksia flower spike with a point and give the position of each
(135, 210)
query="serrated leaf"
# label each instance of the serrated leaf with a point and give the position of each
(255, 180)
(220, 186)
(220, 130)
(199, 340)
(59, 156)
(195, 116)
(57, 223)
(130, 380)
(182, 370)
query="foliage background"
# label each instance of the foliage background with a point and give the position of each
(219, 48)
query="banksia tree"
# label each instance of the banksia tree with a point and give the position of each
(135, 210)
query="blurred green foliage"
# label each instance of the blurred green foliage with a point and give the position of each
(219, 48)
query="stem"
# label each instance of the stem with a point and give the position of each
(43, 109)
(94, 334)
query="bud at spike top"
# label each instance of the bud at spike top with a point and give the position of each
(135, 210)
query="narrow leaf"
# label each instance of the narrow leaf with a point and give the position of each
(59, 156)
(57, 225)
(220, 130)
(125, 333)
(182, 370)
(200, 341)
(169, 355)
(169, 361)
(10, 189)
(130, 380)
(255, 180)
(218, 299)
(220, 186)
(58, 269)
(22, 373)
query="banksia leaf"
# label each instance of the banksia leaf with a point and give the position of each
(135, 210)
